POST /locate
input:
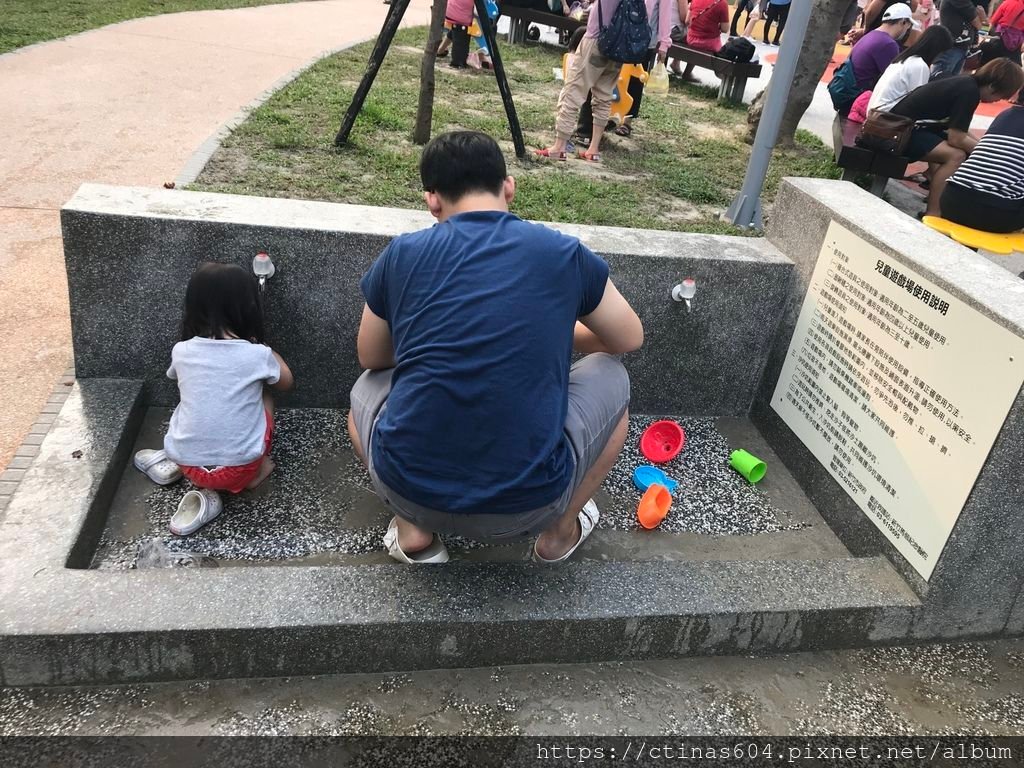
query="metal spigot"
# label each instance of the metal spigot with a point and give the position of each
(685, 291)
(263, 268)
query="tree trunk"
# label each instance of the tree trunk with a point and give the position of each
(819, 44)
(425, 110)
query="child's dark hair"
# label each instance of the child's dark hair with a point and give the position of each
(457, 163)
(222, 300)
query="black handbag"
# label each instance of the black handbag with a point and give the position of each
(885, 132)
(737, 49)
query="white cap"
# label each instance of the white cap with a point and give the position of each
(897, 12)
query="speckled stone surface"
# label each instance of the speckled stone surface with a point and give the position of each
(61, 625)
(57, 510)
(980, 574)
(147, 242)
(1015, 625)
(100, 627)
(935, 690)
(319, 508)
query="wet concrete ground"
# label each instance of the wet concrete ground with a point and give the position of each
(975, 688)
(318, 508)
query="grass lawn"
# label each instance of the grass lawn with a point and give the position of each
(679, 170)
(23, 22)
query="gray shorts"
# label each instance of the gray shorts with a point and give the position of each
(598, 396)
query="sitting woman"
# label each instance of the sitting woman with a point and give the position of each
(709, 19)
(908, 71)
(987, 191)
(947, 107)
(1007, 33)
(911, 69)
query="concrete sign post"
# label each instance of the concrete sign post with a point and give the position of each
(899, 389)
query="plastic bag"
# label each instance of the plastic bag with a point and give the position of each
(657, 82)
(153, 553)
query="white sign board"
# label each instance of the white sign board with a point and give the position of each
(898, 389)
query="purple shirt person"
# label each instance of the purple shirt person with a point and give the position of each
(876, 50)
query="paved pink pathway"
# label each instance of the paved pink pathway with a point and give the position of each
(125, 104)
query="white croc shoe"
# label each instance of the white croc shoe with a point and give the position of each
(197, 508)
(437, 552)
(157, 467)
(588, 518)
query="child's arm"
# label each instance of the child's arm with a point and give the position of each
(286, 380)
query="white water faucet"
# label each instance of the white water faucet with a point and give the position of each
(685, 291)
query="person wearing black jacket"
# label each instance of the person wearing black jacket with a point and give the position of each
(961, 18)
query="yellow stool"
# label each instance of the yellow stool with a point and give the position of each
(975, 238)
(624, 102)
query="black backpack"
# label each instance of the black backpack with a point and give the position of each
(737, 49)
(627, 37)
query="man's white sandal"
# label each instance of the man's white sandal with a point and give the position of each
(588, 518)
(437, 552)
(197, 508)
(157, 467)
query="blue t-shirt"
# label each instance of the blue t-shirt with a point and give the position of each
(482, 310)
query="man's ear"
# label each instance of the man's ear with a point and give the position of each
(433, 201)
(508, 189)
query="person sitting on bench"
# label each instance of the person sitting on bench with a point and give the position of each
(947, 107)
(987, 191)
(709, 19)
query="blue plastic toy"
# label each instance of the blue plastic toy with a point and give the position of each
(477, 33)
(645, 476)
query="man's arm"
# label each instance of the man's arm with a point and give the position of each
(982, 16)
(967, 10)
(684, 11)
(872, 11)
(374, 346)
(613, 327)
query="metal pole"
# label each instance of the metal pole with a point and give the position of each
(387, 33)
(745, 210)
(487, 26)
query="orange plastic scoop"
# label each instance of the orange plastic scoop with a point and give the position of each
(654, 505)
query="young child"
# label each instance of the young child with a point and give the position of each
(465, 9)
(220, 433)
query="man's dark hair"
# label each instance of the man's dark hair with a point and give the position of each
(457, 163)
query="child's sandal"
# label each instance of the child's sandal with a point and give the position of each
(157, 467)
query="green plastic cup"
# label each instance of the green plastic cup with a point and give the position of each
(748, 465)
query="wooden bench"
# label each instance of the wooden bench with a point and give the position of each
(855, 160)
(522, 18)
(732, 74)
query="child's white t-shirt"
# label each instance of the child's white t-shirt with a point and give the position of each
(897, 81)
(220, 420)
